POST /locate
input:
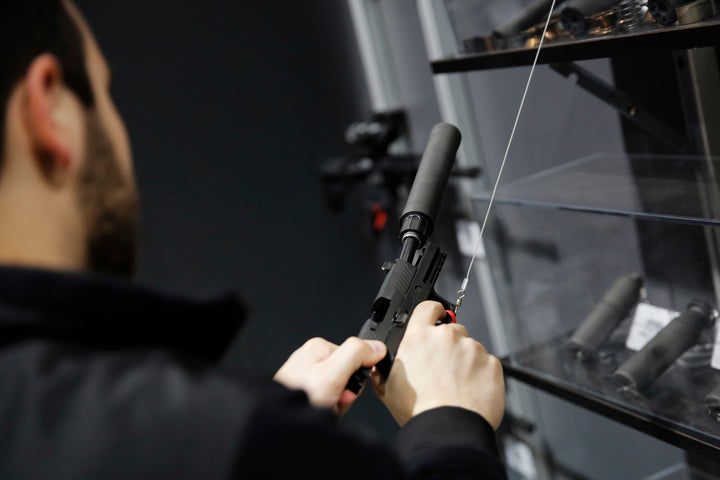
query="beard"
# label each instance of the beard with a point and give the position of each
(108, 202)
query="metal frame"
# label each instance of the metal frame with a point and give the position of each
(454, 98)
(701, 98)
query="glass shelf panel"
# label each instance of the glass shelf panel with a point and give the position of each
(671, 410)
(639, 214)
(479, 49)
(679, 189)
(681, 472)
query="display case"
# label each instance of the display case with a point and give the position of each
(589, 304)
(498, 35)
(602, 233)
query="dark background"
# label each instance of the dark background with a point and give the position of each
(231, 109)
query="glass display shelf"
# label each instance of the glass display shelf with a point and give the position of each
(681, 471)
(672, 409)
(642, 40)
(679, 189)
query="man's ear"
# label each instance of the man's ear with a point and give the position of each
(46, 121)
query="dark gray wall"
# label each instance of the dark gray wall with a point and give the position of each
(231, 108)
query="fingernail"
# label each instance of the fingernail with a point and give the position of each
(377, 346)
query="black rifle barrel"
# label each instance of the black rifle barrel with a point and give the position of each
(645, 366)
(430, 181)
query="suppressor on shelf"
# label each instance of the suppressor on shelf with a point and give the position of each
(712, 401)
(532, 14)
(615, 305)
(695, 11)
(663, 11)
(573, 16)
(645, 366)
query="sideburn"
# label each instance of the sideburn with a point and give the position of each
(109, 204)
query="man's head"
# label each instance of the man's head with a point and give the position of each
(67, 195)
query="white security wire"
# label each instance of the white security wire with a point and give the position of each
(463, 287)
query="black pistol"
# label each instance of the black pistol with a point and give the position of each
(410, 278)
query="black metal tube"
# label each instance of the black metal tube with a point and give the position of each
(409, 247)
(575, 12)
(712, 400)
(532, 14)
(644, 367)
(615, 306)
(430, 182)
(663, 11)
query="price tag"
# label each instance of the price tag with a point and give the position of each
(647, 322)
(520, 458)
(715, 362)
(468, 236)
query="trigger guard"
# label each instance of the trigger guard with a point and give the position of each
(449, 317)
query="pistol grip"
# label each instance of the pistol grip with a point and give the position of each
(357, 380)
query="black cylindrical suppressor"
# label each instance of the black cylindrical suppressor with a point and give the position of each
(573, 16)
(615, 306)
(410, 279)
(644, 367)
(532, 14)
(663, 11)
(712, 399)
(431, 178)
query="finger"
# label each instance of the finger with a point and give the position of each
(316, 349)
(461, 334)
(378, 383)
(346, 402)
(459, 328)
(426, 314)
(353, 354)
(346, 399)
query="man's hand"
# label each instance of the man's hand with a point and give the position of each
(441, 366)
(322, 369)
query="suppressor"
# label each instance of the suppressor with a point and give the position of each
(615, 306)
(645, 366)
(573, 16)
(430, 182)
(695, 11)
(528, 17)
(663, 11)
(712, 400)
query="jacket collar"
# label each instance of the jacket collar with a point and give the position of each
(105, 312)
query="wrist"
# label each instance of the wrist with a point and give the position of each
(446, 426)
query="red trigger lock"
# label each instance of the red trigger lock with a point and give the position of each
(450, 316)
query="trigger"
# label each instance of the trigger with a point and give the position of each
(448, 318)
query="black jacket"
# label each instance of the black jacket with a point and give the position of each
(101, 379)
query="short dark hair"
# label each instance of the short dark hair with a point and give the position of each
(29, 28)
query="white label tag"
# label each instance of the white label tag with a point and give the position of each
(520, 458)
(647, 322)
(468, 236)
(715, 362)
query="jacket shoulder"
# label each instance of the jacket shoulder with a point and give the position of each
(118, 414)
